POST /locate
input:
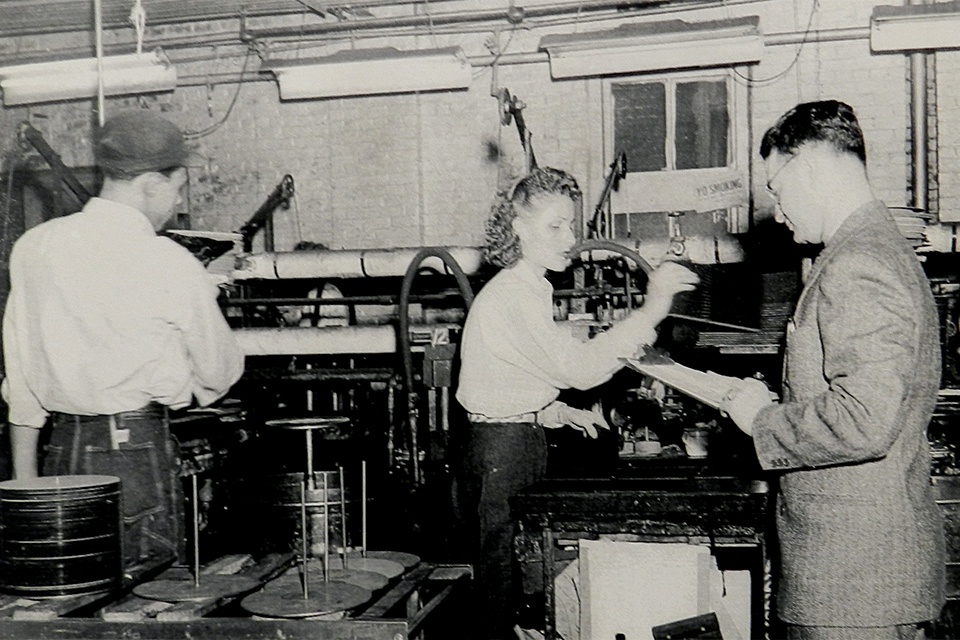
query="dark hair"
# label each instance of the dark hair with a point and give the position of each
(502, 244)
(828, 121)
(121, 174)
(309, 245)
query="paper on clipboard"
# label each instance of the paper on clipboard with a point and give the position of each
(706, 386)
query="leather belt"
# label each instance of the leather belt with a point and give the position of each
(528, 417)
(116, 421)
(152, 410)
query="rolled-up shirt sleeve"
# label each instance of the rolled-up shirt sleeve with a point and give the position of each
(24, 406)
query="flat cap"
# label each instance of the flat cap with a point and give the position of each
(135, 142)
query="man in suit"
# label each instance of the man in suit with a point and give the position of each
(861, 538)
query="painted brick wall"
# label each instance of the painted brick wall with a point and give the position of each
(423, 169)
(948, 116)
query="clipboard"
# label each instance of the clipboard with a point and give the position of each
(705, 386)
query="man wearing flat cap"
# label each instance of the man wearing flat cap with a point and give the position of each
(109, 325)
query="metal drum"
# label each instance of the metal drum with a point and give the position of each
(60, 535)
(274, 502)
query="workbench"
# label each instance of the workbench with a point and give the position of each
(688, 504)
(402, 610)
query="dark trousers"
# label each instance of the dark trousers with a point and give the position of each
(142, 453)
(497, 461)
(898, 632)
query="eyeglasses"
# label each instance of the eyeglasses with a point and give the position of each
(773, 194)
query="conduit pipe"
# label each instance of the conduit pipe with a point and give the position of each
(436, 19)
(292, 341)
(353, 263)
(918, 125)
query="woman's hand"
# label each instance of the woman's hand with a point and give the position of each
(558, 414)
(667, 280)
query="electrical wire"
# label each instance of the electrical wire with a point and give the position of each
(751, 82)
(193, 135)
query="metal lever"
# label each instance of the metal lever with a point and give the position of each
(263, 218)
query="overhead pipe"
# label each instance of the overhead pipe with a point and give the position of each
(349, 263)
(291, 341)
(509, 14)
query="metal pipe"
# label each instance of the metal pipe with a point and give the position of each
(304, 559)
(317, 340)
(456, 17)
(194, 500)
(98, 28)
(363, 502)
(343, 518)
(348, 263)
(918, 125)
(381, 299)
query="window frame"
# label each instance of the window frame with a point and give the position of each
(675, 189)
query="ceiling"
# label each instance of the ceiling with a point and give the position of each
(26, 17)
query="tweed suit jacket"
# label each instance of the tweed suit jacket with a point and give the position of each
(861, 538)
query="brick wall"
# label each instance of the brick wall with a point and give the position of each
(413, 170)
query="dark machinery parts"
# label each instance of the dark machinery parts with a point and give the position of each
(511, 109)
(263, 217)
(404, 341)
(29, 134)
(596, 228)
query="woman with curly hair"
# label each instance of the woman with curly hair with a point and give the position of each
(515, 360)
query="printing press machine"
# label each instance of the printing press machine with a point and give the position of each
(395, 390)
(314, 355)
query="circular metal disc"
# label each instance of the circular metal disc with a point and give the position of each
(407, 560)
(387, 568)
(324, 597)
(365, 579)
(315, 422)
(211, 586)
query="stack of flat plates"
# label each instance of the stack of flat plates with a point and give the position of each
(912, 223)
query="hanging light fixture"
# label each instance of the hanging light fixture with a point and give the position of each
(78, 78)
(359, 72)
(655, 46)
(915, 27)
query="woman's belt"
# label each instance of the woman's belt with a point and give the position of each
(528, 417)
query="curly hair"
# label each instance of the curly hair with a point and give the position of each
(502, 246)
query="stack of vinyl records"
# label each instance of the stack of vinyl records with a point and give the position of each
(912, 223)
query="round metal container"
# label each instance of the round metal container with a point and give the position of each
(274, 505)
(60, 535)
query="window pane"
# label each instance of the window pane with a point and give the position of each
(702, 125)
(640, 125)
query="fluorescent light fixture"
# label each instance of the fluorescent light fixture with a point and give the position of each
(372, 71)
(915, 27)
(73, 79)
(654, 46)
